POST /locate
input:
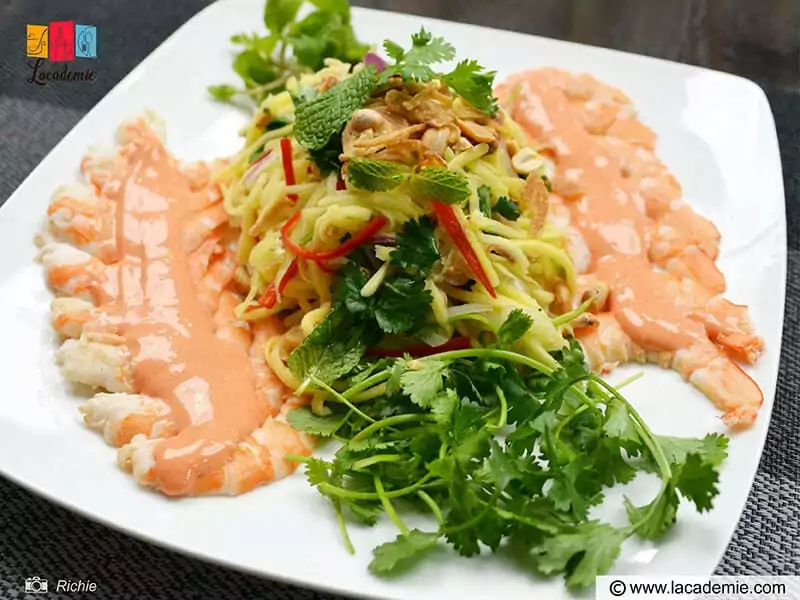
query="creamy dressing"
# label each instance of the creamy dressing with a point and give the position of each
(152, 303)
(608, 211)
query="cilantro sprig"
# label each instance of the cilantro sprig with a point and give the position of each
(468, 79)
(291, 47)
(495, 447)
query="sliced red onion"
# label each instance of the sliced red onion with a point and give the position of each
(376, 61)
(384, 240)
(252, 173)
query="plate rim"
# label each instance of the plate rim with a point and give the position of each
(168, 43)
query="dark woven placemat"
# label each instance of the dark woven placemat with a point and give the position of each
(39, 538)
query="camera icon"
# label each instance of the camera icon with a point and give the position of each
(35, 585)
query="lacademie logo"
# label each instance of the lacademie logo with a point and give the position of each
(60, 42)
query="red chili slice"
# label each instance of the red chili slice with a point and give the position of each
(449, 220)
(459, 343)
(270, 296)
(370, 229)
(288, 166)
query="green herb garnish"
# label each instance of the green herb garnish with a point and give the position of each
(485, 200)
(498, 447)
(291, 47)
(318, 120)
(375, 175)
(441, 185)
(507, 208)
(416, 250)
(468, 78)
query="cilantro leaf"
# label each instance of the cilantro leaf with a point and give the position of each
(367, 513)
(402, 305)
(437, 183)
(485, 200)
(697, 480)
(402, 551)
(515, 326)
(374, 175)
(306, 421)
(471, 82)
(443, 406)
(619, 426)
(415, 64)
(318, 120)
(317, 471)
(507, 208)
(712, 449)
(424, 383)
(653, 520)
(416, 250)
(583, 553)
(279, 13)
(332, 350)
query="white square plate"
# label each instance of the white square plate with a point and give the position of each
(717, 136)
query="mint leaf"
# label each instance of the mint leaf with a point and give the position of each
(471, 82)
(515, 326)
(423, 384)
(441, 185)
(416, 250)
(279, 13)
(306, 421)
(374, 175)
(317, 121)
(402, 551)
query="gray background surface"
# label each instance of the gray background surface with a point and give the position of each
(757, 39)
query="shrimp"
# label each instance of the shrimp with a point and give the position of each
(217, 277)
(80, 217)
(258, 459)
(122, 416)
(726, 324)
(69, 316)
(269, 387)
(702, 364)
(73, 272)
(96, 364)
